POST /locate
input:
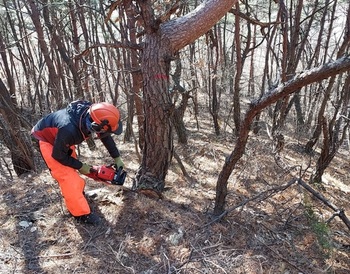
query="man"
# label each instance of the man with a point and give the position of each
(60, 131)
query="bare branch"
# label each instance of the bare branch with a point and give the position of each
(252, 20)
(170, 11)
(114, 45)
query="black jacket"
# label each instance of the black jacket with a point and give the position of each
(67, 127)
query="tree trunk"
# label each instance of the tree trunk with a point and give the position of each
(179, 111)
(158, 146)
(238, 75)
(12, 136)
(161, 43)
(342, 49)
(136, 76)
(334, 132)
(53, 85)
(213, 60)
(57, 39)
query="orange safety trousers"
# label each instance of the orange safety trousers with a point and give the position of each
(71, 184)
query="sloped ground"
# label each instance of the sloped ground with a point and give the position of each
(270, 234)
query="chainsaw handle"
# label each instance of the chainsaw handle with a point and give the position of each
(93, 169)
(114, 166)
(119, 176)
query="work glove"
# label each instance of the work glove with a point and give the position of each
(118, 162)
(85, 169)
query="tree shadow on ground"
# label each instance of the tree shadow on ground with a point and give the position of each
(132, 238)
(23, 212)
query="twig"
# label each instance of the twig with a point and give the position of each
(92, 236)
(252, 20)
(7, 166)
(167, 262)
(217, 266)
(279, 256)
(43, 256)
(118, 255)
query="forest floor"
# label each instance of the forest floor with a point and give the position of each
(276, 232)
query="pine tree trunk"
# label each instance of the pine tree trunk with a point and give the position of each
(158, 145)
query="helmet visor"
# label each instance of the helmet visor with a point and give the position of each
(119, 129)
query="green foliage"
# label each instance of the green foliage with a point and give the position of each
(320, 228)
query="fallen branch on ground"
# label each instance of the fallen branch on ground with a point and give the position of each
(338, 212)
(261, 196)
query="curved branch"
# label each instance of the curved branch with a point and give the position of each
(186, 29)
(308, 77)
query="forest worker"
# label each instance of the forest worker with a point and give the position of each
(60, 131)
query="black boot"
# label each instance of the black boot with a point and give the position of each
(91, 219)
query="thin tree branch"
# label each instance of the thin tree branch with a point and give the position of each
(252, 20)
(116, 45)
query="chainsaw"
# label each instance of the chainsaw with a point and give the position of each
(108, 174)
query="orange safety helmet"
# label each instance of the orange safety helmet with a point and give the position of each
(105, 117)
